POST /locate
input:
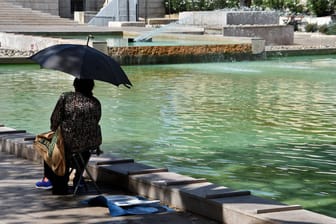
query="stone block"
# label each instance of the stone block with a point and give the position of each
(258, 45)
(118, 173)
(252, 17)
(79, 17)
(298, 216)
(272, 34)
(125, 24)
(15, 142)
(31, 154)
(161, 186)
(160, 21)
(99, 175)
(222, 18)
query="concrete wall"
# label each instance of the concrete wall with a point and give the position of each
(65, 9)
(247, 17)
(58, 7)
(223, 18)
(116, 10)
(144, 8)
(96, 5)
(151, 8)
(273, 35)
(31, 43)
(90, 6)
(181, 54)
(48, 6)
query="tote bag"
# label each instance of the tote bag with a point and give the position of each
(51, 148)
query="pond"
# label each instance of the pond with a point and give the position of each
(265, 126)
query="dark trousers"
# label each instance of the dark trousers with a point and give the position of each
(60, 183)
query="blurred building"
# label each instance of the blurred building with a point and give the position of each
(67, 8)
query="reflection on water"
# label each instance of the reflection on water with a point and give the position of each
(268, 126)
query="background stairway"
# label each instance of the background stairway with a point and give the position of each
(11, 14)
(20, 20)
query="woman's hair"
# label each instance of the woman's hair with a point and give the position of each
(84, 86)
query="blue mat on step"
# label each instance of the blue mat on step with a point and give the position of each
(119, 205)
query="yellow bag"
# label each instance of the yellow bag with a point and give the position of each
(51, 147)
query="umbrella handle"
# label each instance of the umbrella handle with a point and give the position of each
(88, 39)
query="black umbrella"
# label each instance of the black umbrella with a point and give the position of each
(83, 62)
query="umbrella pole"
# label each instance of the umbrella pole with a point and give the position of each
(88, 39)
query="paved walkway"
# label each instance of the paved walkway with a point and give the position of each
(22, 203)
(304, 40)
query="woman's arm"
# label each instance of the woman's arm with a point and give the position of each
(57, 114)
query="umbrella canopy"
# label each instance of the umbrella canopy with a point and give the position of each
(83, 62)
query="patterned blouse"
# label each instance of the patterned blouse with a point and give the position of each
(79, 117)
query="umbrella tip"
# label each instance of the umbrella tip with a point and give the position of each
(127, 85)
(88, 39)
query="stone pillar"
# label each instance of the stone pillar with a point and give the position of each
(79, 17)
(258, 45)
(151, 8)
(65, 8)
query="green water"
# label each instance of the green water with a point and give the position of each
(268, 127)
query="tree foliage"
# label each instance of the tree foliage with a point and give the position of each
(318, 7)
(322, 7)
(175, 6)
(292, 5)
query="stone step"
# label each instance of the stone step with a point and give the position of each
(29, 22)
(23, 20)
(28, 15)
(12, 14)
(12, 20)
(36, 23)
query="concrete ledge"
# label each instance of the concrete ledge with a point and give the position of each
(126, 24)
(272, 34)
(15, 60)
(183, 192)
(222, 18)
(181, 54)
(16, 142)
(160, 21)
(31, 43)
(299, 52)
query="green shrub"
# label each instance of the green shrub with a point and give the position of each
(323, 29)
(318, 7)
(331, 29)
(311, 27)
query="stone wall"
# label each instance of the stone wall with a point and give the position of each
(94, 5)
(65, 9)
(252, 17)
(117, 10)
(48, 6)
(24, 43)
(273, 34)
(146, 8)
(180, 54)
(90, 6)
(224, 18)
(151, 8)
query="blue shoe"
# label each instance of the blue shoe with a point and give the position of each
(46, 185)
